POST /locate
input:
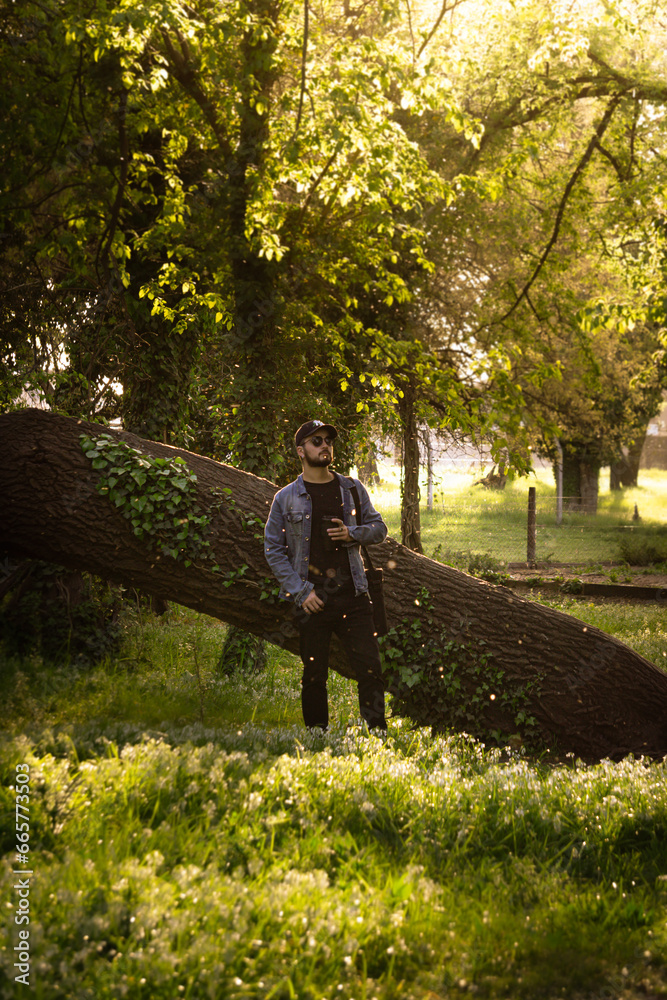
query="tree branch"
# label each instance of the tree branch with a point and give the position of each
(304, 53)
(612, 159)
(124, 147)
(569, 187)
(183, 72)
(318, 180)
(443, 10)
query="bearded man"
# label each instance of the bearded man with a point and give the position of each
(312, 543)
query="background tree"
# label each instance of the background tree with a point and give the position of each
(538, 280)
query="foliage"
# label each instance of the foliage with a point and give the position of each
(451, 683)
(222, 219)
(648, 549)
(203, 218)
(561, 290)
(59, 616)
(156, 495)
(486, 567)
(242, 653)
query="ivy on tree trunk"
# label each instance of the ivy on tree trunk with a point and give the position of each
(460, 653)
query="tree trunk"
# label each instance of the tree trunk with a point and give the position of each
(410, 520)
(255, 299)
(367, 467)
(617, 470)
(429, 470)
(581, 476)
(624, 471)
(586, 692)
(589, 479)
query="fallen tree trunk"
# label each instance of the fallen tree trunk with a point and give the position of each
(461, 652)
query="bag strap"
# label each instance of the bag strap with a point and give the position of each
(355, 494)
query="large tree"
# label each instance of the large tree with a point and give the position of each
(219, 218)
(195, 218)
(460, 652)
(545, 281)
(192, 224)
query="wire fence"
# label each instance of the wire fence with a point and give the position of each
(493, 526)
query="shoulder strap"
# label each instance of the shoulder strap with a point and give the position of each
(355, 494)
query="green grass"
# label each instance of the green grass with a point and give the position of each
(190, 839)
(469, 519)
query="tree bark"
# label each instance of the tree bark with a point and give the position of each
(367, 467)
(624, 472)
(581, 476)
(589, 478)
(588, 693)
(410, 519)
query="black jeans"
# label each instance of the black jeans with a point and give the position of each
(351, 619)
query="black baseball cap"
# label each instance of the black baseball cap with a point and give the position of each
(310, 427)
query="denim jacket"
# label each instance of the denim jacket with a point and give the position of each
(288, 531)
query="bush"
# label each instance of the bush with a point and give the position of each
(644, 550)
(62, 616)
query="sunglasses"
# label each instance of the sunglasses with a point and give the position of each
(318, 439)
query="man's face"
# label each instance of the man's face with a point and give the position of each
(318, 450)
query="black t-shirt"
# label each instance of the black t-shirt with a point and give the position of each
(325, 561)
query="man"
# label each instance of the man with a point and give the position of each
(312, 540)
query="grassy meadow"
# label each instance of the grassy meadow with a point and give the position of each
(469, 519)
(189, 839)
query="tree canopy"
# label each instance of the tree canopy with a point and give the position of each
(219, 219)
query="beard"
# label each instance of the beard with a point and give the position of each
(320, 462)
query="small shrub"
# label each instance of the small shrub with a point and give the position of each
(242, 652)
(480, 564)
(644, 550)
(486, 567)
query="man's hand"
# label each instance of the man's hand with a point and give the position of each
(312, 604)
(340, 533)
